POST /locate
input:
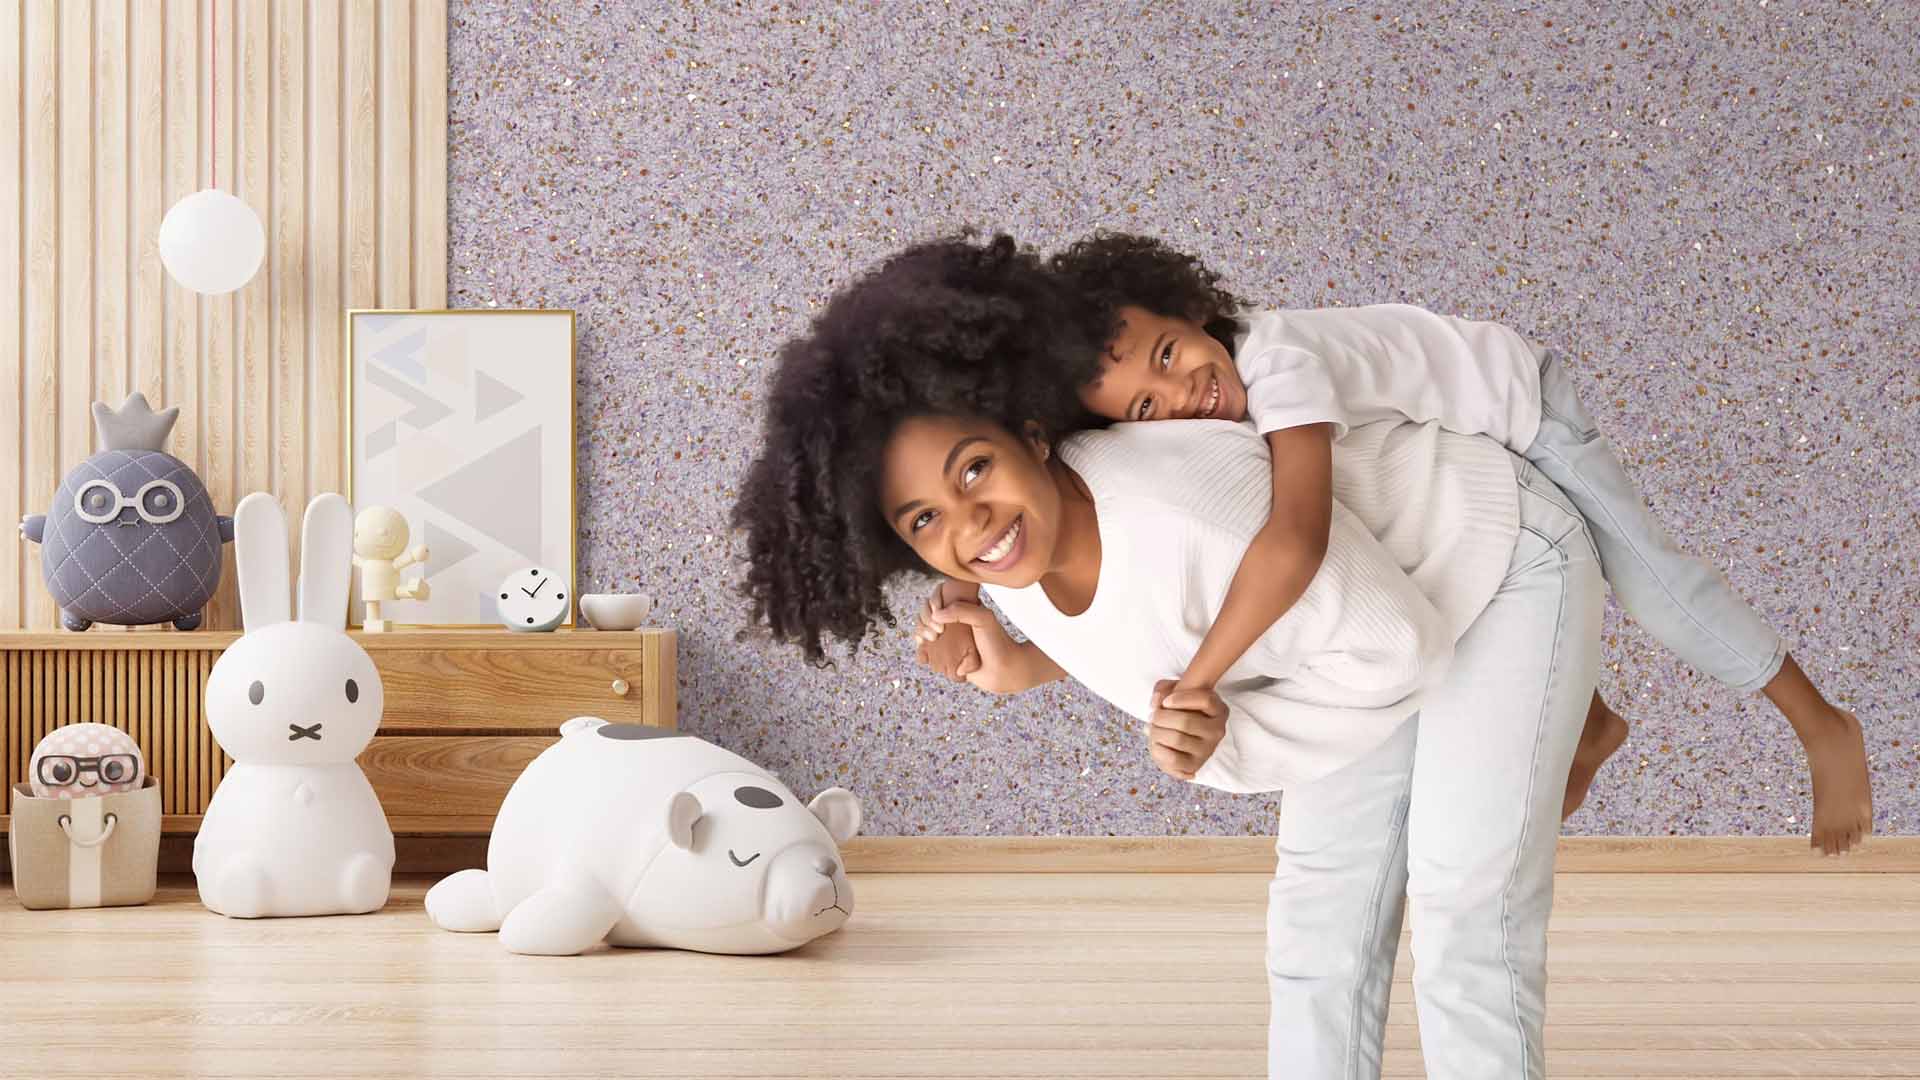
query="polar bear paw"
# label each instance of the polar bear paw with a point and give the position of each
(463, 903)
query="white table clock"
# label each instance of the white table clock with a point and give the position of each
(533, 598)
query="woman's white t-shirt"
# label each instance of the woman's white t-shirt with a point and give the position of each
(1423, 528)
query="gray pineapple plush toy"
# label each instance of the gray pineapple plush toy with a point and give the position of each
(131, 537)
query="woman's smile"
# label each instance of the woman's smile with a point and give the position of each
(999, 556)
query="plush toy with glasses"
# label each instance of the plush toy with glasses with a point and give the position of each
(131, 537)
(80, 761)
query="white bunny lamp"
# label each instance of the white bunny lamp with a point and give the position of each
(294, 828)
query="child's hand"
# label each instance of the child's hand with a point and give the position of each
(947, 648)
(1187, 726)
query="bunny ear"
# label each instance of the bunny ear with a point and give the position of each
(260, 557)
(326, 561)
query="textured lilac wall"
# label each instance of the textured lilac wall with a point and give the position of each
(1709, 206)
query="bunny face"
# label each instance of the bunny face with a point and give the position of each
(294, 694)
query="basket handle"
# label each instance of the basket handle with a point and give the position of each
(66, 826)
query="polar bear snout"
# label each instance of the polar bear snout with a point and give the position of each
(807, 893)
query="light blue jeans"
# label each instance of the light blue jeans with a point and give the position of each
(1680, 599)
(1458, 812)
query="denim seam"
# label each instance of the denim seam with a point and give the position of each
(1526, 818)
(1707, 631)
(1584, 434)
(1370, 929)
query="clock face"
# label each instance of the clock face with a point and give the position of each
(534, 598)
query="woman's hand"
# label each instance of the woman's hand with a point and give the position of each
(946, 648)
(1003, 665)
(1187, 726)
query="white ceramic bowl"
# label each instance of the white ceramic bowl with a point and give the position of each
(616, 611)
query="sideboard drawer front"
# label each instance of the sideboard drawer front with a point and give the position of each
(446, 785)
(488, 690)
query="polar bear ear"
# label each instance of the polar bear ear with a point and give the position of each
(682, 812)
(839, 810)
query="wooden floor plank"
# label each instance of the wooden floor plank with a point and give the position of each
(950, 975)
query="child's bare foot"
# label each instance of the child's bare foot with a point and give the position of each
(1842, 791)
(1605, 733)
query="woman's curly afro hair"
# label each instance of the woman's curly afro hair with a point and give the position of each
(955, 326)
(1113, 270)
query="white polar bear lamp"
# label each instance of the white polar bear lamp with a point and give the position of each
(643, 837)
(294, 828)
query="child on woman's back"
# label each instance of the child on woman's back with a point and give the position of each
(1183, 348)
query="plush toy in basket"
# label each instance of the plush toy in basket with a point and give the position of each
(131, 537)
(86, 825)
(643, 836)
(294, 828)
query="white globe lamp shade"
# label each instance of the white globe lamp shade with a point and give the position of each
(212, 242)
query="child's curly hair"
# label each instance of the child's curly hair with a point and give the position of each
(1115, 269)
(954, 326)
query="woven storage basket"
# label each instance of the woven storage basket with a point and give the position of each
(75, 853)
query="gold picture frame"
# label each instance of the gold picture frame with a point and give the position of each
(350, 371)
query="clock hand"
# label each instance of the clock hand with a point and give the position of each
(528, 593)
(536, 589)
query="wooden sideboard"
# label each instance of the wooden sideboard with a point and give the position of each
(465, 709)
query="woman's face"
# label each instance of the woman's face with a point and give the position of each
(973, 500)
(1158, 368)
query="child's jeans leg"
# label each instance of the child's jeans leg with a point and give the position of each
(1334, 913)
(1680, 599)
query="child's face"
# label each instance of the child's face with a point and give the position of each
(1159, 368)
(973, 500)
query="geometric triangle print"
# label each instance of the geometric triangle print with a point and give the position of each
(490, 396)
(498, 494)
(448, 549)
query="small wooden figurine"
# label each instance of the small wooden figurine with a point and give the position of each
(380, 551)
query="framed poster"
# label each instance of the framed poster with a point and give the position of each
(463, 422)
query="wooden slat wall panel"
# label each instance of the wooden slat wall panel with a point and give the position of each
(40, 427)
(112, 230)
(430, 156)
(254, 358)
(183, 58)
(12, 330)
(75, 263)
(220, 315)
(328, 119)
(147, 135)
(288, 227)
(326, 370)
(396, 159)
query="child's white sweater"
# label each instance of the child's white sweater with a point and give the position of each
(1423, 529)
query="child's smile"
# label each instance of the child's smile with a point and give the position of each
(1162, 368)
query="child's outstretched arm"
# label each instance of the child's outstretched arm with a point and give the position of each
(1283, 556)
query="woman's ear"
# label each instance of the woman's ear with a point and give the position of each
(1036, 437)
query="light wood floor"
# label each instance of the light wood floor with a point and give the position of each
(977, 975)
